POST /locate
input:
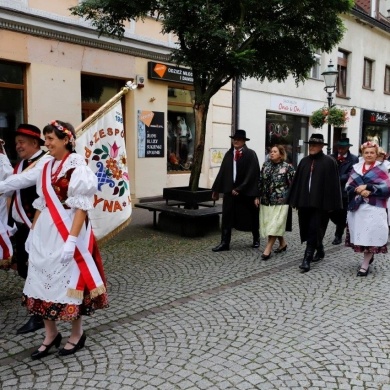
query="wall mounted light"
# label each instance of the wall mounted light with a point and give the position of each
(353, 111)
(140, 81)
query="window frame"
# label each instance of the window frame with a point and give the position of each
(342, 76)
(386, 87)
(368, 73)
(10, 149)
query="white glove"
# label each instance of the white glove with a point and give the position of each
(27, 244)
(68, 250)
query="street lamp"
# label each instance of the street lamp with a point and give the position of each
(330, 78)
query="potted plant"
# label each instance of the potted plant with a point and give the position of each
(318, 117)
(333, 116)
(337, 117)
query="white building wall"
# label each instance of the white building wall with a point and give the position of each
(361, 40)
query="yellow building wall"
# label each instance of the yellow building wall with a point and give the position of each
(54, 6)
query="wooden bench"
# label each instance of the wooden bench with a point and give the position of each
(177, 209)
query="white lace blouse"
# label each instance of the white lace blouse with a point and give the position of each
(82, 185)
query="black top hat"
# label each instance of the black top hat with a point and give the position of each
(240, 134)
(344, 142)
(316, 139)
(30, 131)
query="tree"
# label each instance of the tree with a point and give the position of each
(221, 40)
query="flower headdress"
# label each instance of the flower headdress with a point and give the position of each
(369, 144)
(64, 130)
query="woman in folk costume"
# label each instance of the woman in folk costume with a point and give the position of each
(368, 189)
(6, 250)
(65, 276)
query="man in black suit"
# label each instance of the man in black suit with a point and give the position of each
(345, 160)
(315, 192)
(237, 180)
(22, 186)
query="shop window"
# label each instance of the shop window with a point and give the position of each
(289, 131)
(387, 79)
(12, 103)
(367, 73)
(95, 91)
(342, 67)
(180, 130)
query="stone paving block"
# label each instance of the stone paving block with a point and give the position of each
(182, 317)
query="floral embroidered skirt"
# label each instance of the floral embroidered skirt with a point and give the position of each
(55, 311)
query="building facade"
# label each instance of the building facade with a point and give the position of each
(54, 66)
(275, 112)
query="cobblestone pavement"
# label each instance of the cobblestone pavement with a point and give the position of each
(183, 317)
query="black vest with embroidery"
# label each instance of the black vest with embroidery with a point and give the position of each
(29, 194)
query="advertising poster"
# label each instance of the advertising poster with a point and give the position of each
(150, 126)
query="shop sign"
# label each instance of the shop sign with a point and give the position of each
(376, 117)
(150, 134)
(289, 105)
(164, 72)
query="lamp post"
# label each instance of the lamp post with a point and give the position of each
(330, 78)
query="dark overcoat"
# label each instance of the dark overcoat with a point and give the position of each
(325, 190)
(239, 211)
(345, 168)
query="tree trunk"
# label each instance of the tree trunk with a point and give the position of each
(200, 112)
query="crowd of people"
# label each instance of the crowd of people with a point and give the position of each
(47, 238)
(353, 192)
(53, 247)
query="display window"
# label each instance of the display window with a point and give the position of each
(180, 130)
(12, 103)
(289, 131)
(376, 128)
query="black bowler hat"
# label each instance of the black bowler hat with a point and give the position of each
(30, 131)
(344, 142)
(239, 134)
(316, 139)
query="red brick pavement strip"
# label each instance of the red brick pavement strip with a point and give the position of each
(174, 304)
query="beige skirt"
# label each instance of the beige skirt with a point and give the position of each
(273, 220)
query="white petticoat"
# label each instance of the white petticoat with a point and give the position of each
(47, 278)
(368, 226)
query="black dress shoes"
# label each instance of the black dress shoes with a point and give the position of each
(281, 249)
(34, 323)
(40, 354)
(256, 244)
(363, 272)
(221, 247)
(320, 254)
(266, 257)
(337, 240)
(80, 344)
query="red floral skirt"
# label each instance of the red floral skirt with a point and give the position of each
(55, 311)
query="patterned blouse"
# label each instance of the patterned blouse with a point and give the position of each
(274, 182)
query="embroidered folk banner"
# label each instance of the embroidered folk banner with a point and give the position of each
(101, 140)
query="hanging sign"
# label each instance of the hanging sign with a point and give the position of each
(164, 72)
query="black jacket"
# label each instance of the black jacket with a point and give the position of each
(345, 168)
(325, 190)
(247, 175)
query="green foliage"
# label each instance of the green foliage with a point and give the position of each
(334, 116)
(318, 117)
(225, 39)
